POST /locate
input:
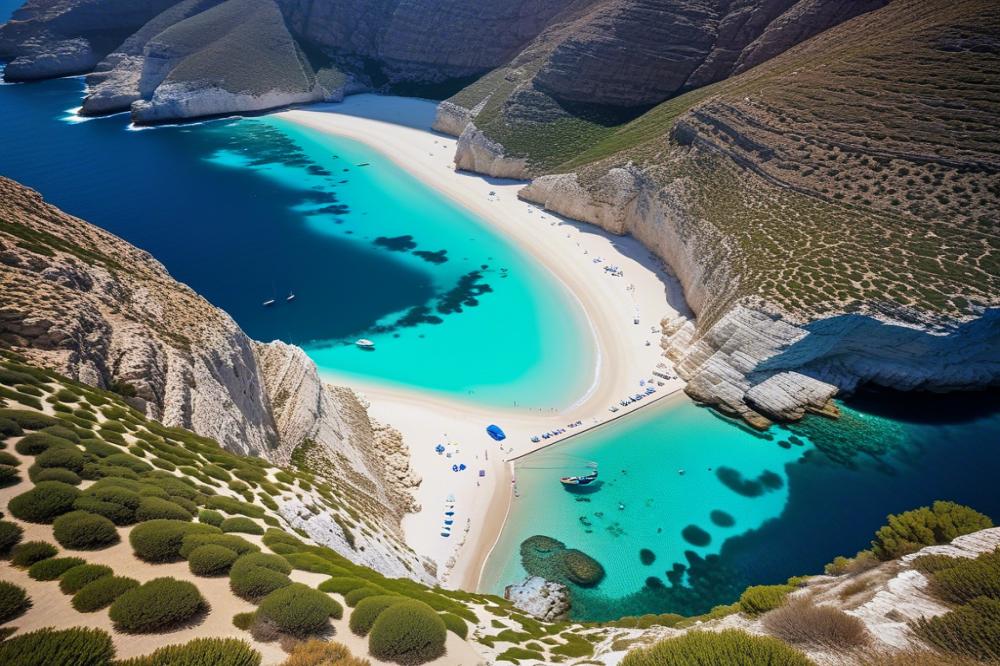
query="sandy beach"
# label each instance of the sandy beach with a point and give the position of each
(626, 353)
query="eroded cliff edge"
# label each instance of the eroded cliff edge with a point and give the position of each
(831, 213)
(87, 304)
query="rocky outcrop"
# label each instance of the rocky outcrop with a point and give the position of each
(543, 599)
(476, 152)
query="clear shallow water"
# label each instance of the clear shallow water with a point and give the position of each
(764, 508)
(253, 209)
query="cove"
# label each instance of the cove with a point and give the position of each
(750, 508)
(253, 209)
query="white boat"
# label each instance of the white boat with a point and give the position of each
(268, 303)
(290, 297)
(365, 343)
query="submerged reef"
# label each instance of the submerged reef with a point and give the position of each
(552, 560)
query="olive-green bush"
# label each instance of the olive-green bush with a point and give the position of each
(39, 442)
(210, 517)
(457, 625)
(759, 599)
(153, 508)
(354, 596)
(29, 552)
(128, 461)
(160, 540)
(57, 474)
(731, 647)
(211, 560)
(77, 646)
(255, 575)
(910, 531)
(235, 543)
(116, 513)
(158, 605)
(968, 578)
(367, 611)
(9, 459)
(342, 584)
(65, 457)
(14, 601)
(10, 536)
(79, 530)
(74, 580)
(200, 652)
(96, 447)
(44, 503)
(9, 476)
(299, 610)
(244, 620)
(241, 524)
(971, 630)
(27, 419)
(408, 633)
(53, 567)
(100, 593)
(9, 428)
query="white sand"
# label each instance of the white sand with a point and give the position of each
(399, 128)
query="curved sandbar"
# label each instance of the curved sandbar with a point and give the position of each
(399, 128)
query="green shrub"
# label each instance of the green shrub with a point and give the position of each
(971, 630)
(731, 647)
(160, 604)
(516, 654)
(100, 593)
(44, 503)
(408, 633)
(14, 601)
(28, 420)
(61, 456)
(128, 461)
(241, 524)
(153, 508)
(367, 611)
(457, 626)
(244, 620)
(79, 530)
(53, 567)
(9, 428)
(354, 596)
(39, 442)
(230, 505)
(910, 531)
(77, 646)
(968, 578)
(9, 459)
(211, 560)
(96, 447)
(342, 584)
(10, 536)
(8, 476)
(759, 599)
(298, 610)
(66, 476)
(62, 431)
(160, 540)
(74, 580)
(116, 513)
(29, 552)
(200, 652)
(237, 544)
(256, 575)
(210, 517)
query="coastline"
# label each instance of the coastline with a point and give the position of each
(399, 129)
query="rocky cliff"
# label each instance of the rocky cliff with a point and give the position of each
(91, 306)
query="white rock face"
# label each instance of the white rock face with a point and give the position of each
(451, 119)
(476, 152)
(543, 599)
(173, 101)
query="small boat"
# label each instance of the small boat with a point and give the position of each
(365, 343)
(364, 164)
(579, 480)
(290, 297)
(268, 303)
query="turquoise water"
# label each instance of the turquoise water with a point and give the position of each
(749, 508)
(254, 209)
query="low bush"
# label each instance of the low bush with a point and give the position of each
(79, 530)
(75, 579)
(116, 513)
(367, 611)
(731, 647)
(39, 442)
(14, 601)
(65, 457)
(128, 461)
(9, 459)
(210, 560)
(971, 630)
(230, 505)
(354, 596)
(160, 540)
(244, 620)
(8, 476)
(342, 584)
(255, 575)
(53, 567)
(210, 517)
(299, 610)
(803, 623)
(408, 633)
(200, 652)
(237, 544)
(57, 474)
(759, 599)
(100, 593)
(241, 524)
(10, 536)
(160, 604)
(27, 419)
(910, 531)
(96, 447)
(968, 578)
(77, 646)
(44, 503)
(457, 625)
(322, 653)
(29, 552)
(153, 508)
(9, 428)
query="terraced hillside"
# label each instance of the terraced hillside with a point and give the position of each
(831, 212)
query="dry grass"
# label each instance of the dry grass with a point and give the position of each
(801, 622)
(322, 653)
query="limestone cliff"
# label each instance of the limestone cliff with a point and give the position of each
(89, 305)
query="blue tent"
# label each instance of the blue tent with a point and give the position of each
(496, 433)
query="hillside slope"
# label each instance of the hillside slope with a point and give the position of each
(830, 213)
(87, 304)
